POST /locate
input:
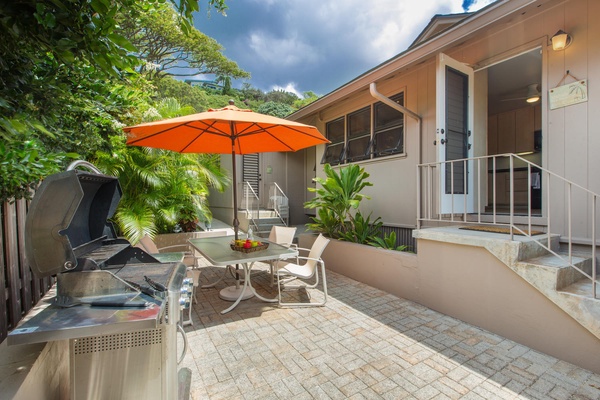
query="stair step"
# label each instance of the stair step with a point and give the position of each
(269, 220)
(582, 288)
(531, 249)
(550, 260)
(565, 274)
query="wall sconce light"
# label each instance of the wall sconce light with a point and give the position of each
(561, 40)
(533, 94)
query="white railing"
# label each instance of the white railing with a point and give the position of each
(279, 202)
(250, 201)
(498, 205)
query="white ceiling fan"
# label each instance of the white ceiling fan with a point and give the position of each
(531, 94)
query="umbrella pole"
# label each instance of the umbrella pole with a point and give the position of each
(236, 221)
(233, 293)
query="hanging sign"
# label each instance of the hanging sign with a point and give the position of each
(569, 94)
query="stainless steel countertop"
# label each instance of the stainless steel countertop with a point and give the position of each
(47, 322)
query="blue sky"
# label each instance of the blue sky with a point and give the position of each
(319, 45)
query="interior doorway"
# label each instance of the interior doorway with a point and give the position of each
(515, 126)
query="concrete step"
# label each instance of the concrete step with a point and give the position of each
(530, 249)
(558, 270)
(579, 301)
(566, 287)
(583, 288)
(262, 213)
(263, 227)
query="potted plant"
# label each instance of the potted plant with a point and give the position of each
(360, 251)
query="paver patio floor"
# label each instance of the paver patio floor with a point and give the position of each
(364, 344)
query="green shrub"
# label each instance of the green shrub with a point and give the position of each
(336, 202)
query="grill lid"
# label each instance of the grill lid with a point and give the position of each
(68, 210)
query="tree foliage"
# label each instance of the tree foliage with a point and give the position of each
(276, 109)
(281, 96)
(307, 98)
(67, 82)
(186, 94)
(164, 46)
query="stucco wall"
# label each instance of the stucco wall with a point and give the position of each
(470, 284)
(392, 271)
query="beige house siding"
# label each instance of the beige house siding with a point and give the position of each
(571, 139)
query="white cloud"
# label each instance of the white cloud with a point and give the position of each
(478, 4)
(288, 51)
(384, 28)
(321, 44)
(290, 87)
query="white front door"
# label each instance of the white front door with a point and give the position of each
(454, 136)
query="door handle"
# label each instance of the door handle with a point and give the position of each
(442, 141)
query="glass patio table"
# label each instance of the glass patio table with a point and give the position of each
(218, 252)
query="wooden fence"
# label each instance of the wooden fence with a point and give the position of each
(19, 289)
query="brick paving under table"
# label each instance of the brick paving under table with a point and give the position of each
(364, 344)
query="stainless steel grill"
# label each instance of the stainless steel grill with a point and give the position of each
(120, 351)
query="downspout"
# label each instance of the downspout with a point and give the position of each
(396, 106)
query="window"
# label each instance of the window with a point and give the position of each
(335, 134)
(389, 129)
(359, 135)
(371, 132)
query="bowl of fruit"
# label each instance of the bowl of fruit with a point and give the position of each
(248, 246)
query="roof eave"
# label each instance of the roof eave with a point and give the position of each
(445, 39)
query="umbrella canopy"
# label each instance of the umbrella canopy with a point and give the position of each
(228, 130)
(225, 130)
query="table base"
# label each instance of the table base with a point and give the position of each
(233, 293)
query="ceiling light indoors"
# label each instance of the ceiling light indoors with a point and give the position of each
(533, 94)
(561, 40)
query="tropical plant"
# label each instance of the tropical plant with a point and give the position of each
(362, 230)
(336, 202)
(339, 195)
(163, 191)
(388, 242)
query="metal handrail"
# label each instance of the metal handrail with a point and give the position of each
(426, 179)
(251, 202)
(279, 198)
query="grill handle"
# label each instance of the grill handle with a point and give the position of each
(83, 163)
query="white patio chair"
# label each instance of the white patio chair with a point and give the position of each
(283, 235)
(288, 272)
(187, 256)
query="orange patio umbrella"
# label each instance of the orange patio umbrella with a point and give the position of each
(225, 130)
